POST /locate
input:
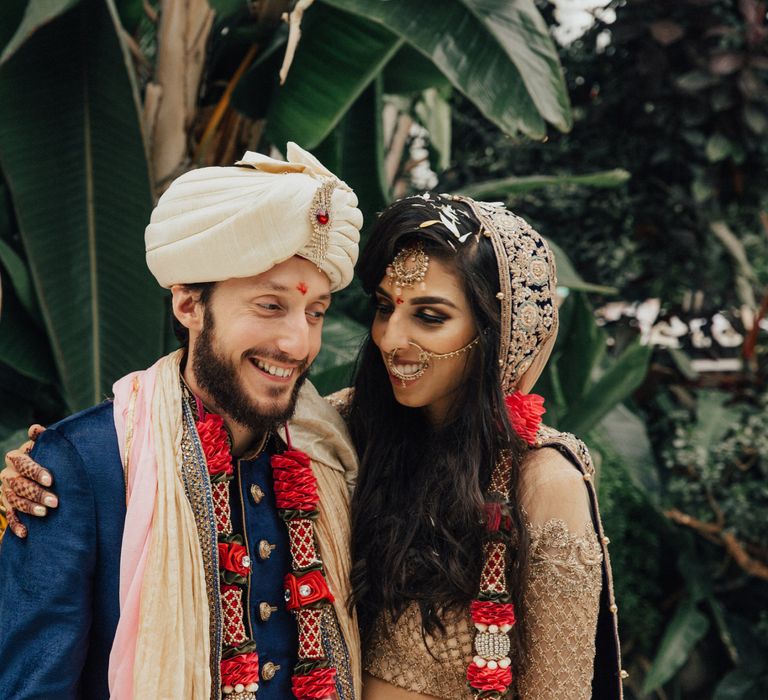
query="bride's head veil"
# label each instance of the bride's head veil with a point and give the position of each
(527, 279)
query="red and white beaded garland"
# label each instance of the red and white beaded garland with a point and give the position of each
(490, 674)
(306, 590)
(239, 660)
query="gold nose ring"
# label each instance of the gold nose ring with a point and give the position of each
(423, 360)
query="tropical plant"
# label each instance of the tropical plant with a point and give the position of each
(104, 101)
(674, 93)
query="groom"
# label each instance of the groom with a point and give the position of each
(200, 550)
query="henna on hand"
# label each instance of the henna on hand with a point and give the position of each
(17, 528)
(31, 491)
(20, 503)
(15, 484)
(24, 465)
(35, 431)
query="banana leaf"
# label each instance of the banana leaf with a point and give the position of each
(338, 57)
(411, 72)
(684, 631)
(37, 14)
(11, 14)
(354, 150)
(584, 347)
(497, 52)
(568, 277)
(618, 382)
(74, 161)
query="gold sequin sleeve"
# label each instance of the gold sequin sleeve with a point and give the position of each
(341, 400)
(562, 595)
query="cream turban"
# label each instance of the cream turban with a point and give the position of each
(217, 223)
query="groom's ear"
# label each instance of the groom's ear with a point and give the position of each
(188, 307)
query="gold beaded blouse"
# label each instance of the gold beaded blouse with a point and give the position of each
(568, 601)
(573, 649)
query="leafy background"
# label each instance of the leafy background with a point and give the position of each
(639, 150)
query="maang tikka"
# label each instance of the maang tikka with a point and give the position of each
(408, 268)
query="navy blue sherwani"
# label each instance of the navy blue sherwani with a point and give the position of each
(59, 603)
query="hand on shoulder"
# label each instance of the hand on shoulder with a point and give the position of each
(21, 485)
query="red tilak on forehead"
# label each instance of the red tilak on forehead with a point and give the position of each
(302, 287)
(400, 300)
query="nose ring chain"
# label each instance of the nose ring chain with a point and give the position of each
(425, 359)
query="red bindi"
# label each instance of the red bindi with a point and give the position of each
(302, 287)
(399, 300)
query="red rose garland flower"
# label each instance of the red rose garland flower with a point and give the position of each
(243, 668)
(486, 612)
(306, 590)
(525, 412)
(318, 684)
(295, 484)
(231, 557)
(490, 673)
(215, 443)
(484, 678)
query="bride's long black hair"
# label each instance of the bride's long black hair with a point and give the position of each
(417, 512)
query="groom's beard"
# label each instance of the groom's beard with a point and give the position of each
(219, 378)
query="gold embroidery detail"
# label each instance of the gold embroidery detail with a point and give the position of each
(337, 654)
(320, 219)
(527, 280)
(197, 486)
(561, 603)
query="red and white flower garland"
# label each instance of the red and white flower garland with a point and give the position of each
(239, 660)
(306, 589)
(490, 674)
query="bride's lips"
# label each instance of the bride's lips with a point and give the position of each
(404, 369)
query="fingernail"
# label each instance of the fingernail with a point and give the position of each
(45, 479)
(39, 510)
(51, 501)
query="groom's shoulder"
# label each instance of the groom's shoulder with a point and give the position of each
(88, 437)
(99, 417)
(93, 426)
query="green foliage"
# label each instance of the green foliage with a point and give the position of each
(37, 14)
(520, 185)
(80, 308)
(581, 388)
(310, 105)
(714, 453)
(717, 464)
(81, 216)
(686, 629)
(495, 34)
(674, 99)
(637, 551)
